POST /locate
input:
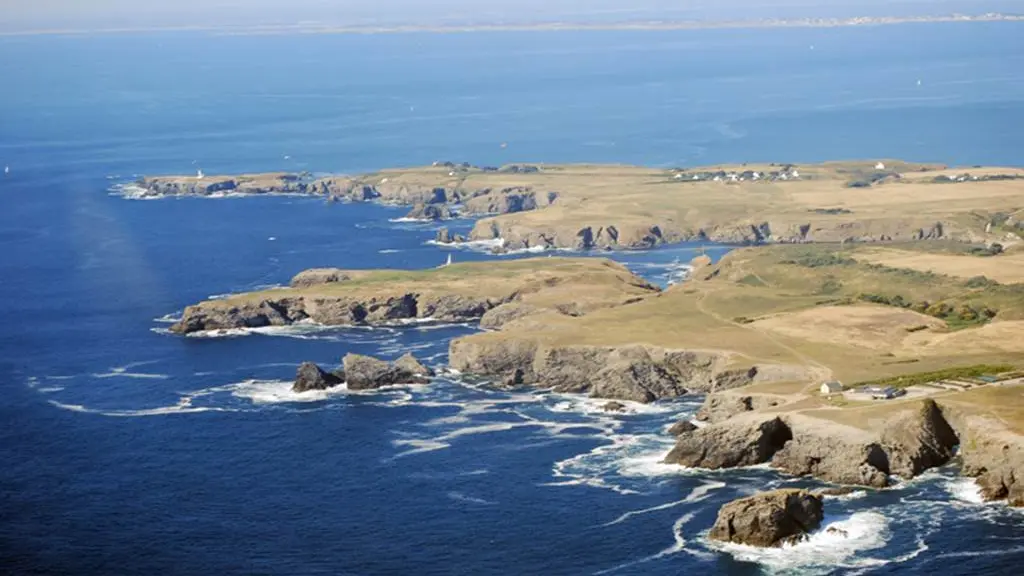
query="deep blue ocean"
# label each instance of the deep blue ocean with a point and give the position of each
(124, 450)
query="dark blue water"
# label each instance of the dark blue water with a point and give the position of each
(128, 451)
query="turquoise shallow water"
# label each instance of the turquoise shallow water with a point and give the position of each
(130, 451)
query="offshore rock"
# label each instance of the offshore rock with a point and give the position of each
(312, 377)
(430, 212)
(769, 519)
(367, 373)
(410, 364)
(682, 427)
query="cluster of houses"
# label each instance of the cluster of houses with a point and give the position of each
(787, 173)
(874, 392)
(946, 179)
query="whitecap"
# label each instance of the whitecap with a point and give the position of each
(181, 408)
(388, 251)
(460, 497)
(280, 391)
(965, 490)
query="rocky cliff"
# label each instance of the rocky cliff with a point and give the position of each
(906, 445)
(519, 233)
(457, 293)
(991, 454)
(636, 372)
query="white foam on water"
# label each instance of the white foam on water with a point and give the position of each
(965, 490)
(50, 389)
(181, 408)
(388, 251)
(679, 545)
(169, 318)
(699, 493)
(404, 220)
(823, 551)
(280, 391)
(460, 497)
(487, 246)
(123, 373)
(580, 404)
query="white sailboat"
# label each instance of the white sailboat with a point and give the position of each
(199, 174)
(7, 169)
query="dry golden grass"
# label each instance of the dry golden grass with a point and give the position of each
(1004, 268)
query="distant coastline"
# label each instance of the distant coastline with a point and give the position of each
(652, 25)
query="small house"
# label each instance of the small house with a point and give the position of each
(880, 166)
(831, 387)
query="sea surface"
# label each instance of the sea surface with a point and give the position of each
(125, 450)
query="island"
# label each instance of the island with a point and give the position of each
(865, 328)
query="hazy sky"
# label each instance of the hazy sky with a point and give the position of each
(29, 14)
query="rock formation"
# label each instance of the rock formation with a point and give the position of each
(312, 377)
(410, 364)
(991, 455)
(430, 212)
(682, 427)
(367, 373)
(919, 441)
(636, 372)
(769, 519)
(744, 442)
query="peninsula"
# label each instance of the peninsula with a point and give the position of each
(907, 279)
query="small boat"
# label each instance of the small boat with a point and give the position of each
(7, 169)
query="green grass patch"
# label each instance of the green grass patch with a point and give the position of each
(962, 372)
(752, 280)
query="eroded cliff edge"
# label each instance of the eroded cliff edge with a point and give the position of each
(626, 207)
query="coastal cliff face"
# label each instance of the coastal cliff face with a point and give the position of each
(521, 234)
(437, 197)
(906, 445)
(457, 293)
(636, 372)
(991, 455)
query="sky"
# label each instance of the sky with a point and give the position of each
(93, 14)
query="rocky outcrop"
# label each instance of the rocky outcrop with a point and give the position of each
(318, 276)
(991, 454)
(909, 443)
(919, 441)
(721, 407)
(444, 236)
(682, 427)
(614, 407)
(367, 373)
(430, 212)
(411, 365)
(338, 310)
(744, 442)
(507, 200)
(637, 372)
(524, 232)
(769, 519)
(312, 377)
(832, 457)
(200, 185)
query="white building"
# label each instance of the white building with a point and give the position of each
(879, 166)
(833, 387)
